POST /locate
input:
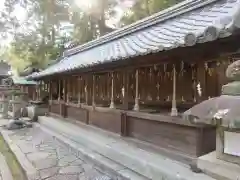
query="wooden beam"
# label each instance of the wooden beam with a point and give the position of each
(201, 85)
(86, 88)
(174, 111)
(93, 91)
(79, 90)
(50, 89)
(125, 89)
(59, 89)
(136, 105)
(112, 105)
(67, 88)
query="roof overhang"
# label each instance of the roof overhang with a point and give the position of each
(23, 81)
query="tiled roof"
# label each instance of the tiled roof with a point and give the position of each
(185, 24)
(23, 81)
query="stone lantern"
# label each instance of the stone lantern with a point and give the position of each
(18, 101)
(223, 112)
(4, 101)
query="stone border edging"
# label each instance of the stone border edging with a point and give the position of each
(5, 172)
(28, 168)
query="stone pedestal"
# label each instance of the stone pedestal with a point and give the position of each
(227, 145)
(217, 168)
(5, 106)
(231, 143)
(36, 109)
(16, 106)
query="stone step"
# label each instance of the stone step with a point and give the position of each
(148, 164)
(100, 161)
(217, 168)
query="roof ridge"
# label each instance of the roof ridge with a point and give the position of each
(171, 12)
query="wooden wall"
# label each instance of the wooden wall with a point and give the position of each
(78, 114)
(54, 108)
(107, 120)
(166, 135)
(159, 130)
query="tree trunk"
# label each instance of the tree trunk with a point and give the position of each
(103, 29)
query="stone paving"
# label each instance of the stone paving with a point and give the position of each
(53, 159)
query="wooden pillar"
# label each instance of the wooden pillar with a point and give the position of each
(67, 89)
(174, 111)
(49, 95)
(50, 90)
(222, 79)
(86, 90)
(79, 90)
(27, 89)
(63, 111)
(125, 89)
(64, 89)
(201, 84)
(136, 106)
(34, 93)
(38, 91)
(93, 91)
(112, 105)
(59, 90)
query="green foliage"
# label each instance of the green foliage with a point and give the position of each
(145, 8)
(40, 38)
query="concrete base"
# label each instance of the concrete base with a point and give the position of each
(217, 168)
(151, 165)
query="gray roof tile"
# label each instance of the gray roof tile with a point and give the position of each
(188, 23)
